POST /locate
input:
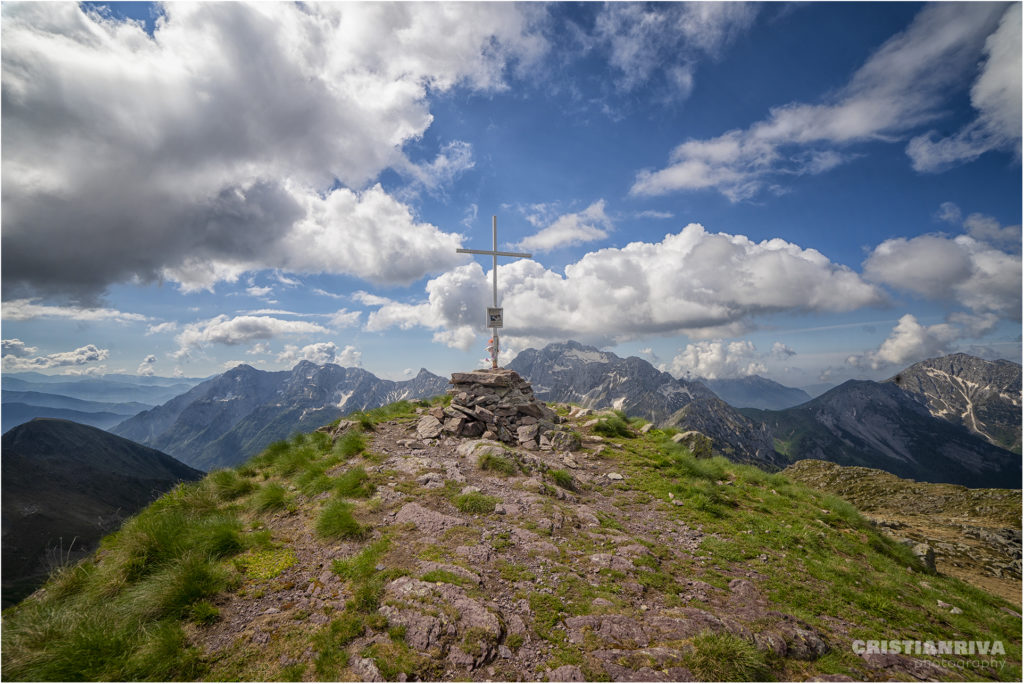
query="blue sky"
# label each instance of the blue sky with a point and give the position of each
(810, 192)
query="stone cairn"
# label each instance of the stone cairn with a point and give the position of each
(497, 404)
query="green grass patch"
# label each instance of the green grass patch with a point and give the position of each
(475, 502)
(366, 581)
(266, 563)
(314, 480)
(395, 658)
(336, 521)
(498, 464)
(229, 485)
(613, 426)
(563, 479)
(548, 611)
(271, 497)
(119, 616)
(203, 613)
(350, 444)
(448, 577)
(330, 643)
(354, 483)
(726, 658)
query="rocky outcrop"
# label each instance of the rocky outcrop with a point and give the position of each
(698, 444)
(497, 405)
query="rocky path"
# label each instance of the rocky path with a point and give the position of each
(564, 583)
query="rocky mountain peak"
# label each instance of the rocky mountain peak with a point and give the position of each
(572, 372)
(982, 396)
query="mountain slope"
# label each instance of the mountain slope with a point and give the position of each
(572, 372)
(233, 416)
(983, 396)
(878, 425)
(347, 556)
(975, 533)
(67, 484)
(754, 391)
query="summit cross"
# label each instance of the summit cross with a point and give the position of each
(494, 315)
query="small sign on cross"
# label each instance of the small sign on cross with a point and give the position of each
(494, 313)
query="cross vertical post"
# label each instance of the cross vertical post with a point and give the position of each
(494, 253)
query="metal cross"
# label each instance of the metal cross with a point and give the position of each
(494, 271)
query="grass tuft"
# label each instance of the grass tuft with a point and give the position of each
(271, 497)
(613, 426)
(354, 483)
(725, 658)
(475, 502)
(229, 485)
(336, 521)
(350, 444)
(563, 479)
(203, 613)
(498, 464)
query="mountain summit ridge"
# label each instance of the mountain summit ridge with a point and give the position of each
(367, 552)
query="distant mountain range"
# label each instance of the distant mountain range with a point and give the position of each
(912, 425)
(862, 423)
(64, 487)
(231, 417)
(102, 401)
(20, 407)
(983, 396)
(572, 372)
(754, 391)
(878, 425)
(109, 389)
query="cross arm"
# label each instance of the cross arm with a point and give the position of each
(494, 253)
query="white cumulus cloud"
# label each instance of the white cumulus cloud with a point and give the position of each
(588, 225)
(29, 309)
(909, 342)
(230, 331)
(146, 367)
(666, 40)
(694, 282)
(964, 269)
(214, 147)
(20, 359)
(321, 353)
(716, 359)
(17, 349)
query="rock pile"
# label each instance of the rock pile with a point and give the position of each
(499, 405)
